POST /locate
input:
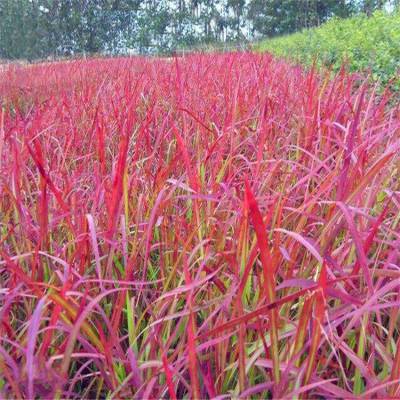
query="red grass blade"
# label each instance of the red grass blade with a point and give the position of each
(268, 272)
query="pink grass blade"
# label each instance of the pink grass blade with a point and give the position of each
(268, 273)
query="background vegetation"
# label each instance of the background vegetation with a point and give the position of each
(365, 43)
(32, 29)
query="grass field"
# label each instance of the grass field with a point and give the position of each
(366, 44)
(213, 226)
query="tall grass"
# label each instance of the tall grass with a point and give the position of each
(210, 226)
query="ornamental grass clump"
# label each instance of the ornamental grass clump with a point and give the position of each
(214, 225)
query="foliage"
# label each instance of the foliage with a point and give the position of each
(365, 44)
(277, 17)
(33, 29)
(194, 227)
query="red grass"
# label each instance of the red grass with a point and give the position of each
(215, 225)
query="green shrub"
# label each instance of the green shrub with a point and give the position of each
(366, 44)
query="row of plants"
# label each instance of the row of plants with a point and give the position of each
(210, 226)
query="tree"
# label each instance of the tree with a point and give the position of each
(277, 17)
(38, 28)
(369, 6)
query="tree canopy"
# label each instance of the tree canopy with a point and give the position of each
(38, 28)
